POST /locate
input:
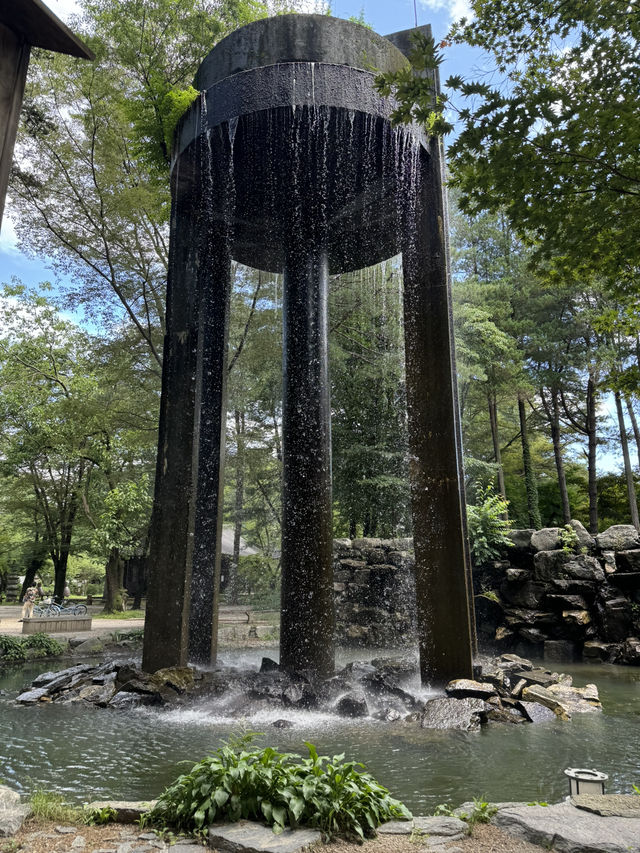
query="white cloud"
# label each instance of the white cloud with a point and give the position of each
(64, 9)
(457, 8)
(8, 237)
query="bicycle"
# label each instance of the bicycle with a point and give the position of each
(44, 610)
(70, 609)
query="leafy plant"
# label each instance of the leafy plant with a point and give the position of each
(44, 643)
(488, 526)
(236, 783)
(48, 806)
(98, 817)
(636, 789)
(570, 542)
(12, 649)
(482, 812)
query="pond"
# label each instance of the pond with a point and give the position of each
(88, 753)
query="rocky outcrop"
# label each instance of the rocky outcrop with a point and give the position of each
(563, 603)
(384, 688)
(13, 812)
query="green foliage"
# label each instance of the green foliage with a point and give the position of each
(52, 807)
(12, 649)
(488, 526)
(121, 614)
(414, 88)
(445, 810)
(99, 817)
(173, 106)
(636, 789)
(237, 782)
(482, 812)
(43, 643)
(569, 540)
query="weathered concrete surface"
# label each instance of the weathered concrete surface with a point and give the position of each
(249, 837)
(563, 827)
(609, 805)
(12, 812)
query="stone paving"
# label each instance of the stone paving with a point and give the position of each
(121, 840)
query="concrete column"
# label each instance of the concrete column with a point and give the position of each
(211, 414)
(171, 536)
(14, 62)
(443, 596)
(307, 611)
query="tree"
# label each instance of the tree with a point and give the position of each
(555, 143)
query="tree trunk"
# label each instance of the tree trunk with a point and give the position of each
(113, 582)
(493, 420)
(233, 586)
(628, 472)
(554, 422)
(591, 425)
(531, 486)
(634, 424)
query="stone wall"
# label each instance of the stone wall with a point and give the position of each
(540, 600)
(374, 592)
(563, 603)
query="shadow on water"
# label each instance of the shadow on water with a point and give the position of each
(89, 753)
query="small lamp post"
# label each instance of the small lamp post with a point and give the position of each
(583, 781)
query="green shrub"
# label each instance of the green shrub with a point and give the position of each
(44, 643)
(12, 649)
(280, 789)
(488, 526)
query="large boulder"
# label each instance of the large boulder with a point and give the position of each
(628, 561)
(616, 617)
(548, 565)
(547, 539)
(448, 713)
(584, 568)
(629, 652)
(12, 812)
(353, 704)
(619, 537)
(585, 539)
(460, 688)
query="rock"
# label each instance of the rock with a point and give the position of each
(353, 704)
(79, 842)
(30, 697)
(548, 565)
(451, 828)
(537, 713)
(619, 537)
(521, 538)
(518, 687)
(528, 594)
(389, 715)
(541, 695)
(98, 694)
(547, 539)
(559, 651)
(517, 576)
(628, 561)
(399, 668)
(12, 812)
(564, 827)
(629, 652)
(459, 688)
(178, 678)
(567, 602)
(616, 618)
(609, 805)
(576, 700)
(283, 724)
(609, 560)
(596, 651)
(249, 837)
(92, 646)
(66, 830)
(449, 713)
(512, 663)
(585, 568)
(585, 539)
(541, 677)
(301, 695)
(576, 618)
(127, 811)
(505, 715)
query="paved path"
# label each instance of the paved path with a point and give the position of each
(10, 623)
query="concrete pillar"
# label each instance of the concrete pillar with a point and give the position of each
(214, 291)
(443, 596)
(14, 62)
(307, 612)
(171, 538)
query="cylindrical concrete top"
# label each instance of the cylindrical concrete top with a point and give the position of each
(289, 104)
(298, 38)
